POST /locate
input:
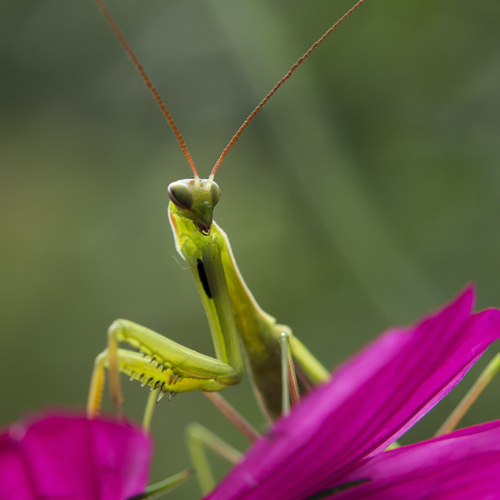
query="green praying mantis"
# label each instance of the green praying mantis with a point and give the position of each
(243, 334)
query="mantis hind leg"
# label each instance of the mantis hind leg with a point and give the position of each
(199, 439)
(315, 372)
(161, 363)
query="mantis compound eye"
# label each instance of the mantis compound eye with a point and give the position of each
(181, 194)
(215, 190)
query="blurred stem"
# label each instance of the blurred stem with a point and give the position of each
(484, 379)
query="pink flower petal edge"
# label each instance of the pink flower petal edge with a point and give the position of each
(61, 455)
(372, 399)
(461, 465)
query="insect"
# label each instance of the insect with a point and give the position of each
(243, 334)
(237, 322)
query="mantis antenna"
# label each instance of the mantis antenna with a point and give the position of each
(121, 38)
(277, 86)
(168, 116)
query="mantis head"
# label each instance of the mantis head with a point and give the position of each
(196, 199)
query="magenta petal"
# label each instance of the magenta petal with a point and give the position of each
(462, 465)
(64, 456)
(372, 400)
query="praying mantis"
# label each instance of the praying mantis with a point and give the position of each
(237, 322)
(240, 329)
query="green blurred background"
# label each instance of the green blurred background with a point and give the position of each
(364, 195)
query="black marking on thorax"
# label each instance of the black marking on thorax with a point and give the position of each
(203, 278)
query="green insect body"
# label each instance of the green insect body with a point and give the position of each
(243, 334)
(257, 330)
(236, 321)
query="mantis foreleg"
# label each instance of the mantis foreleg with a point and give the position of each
(161, 363)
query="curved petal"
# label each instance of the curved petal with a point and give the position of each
(371, 400)
(67, 457)
(461, 465)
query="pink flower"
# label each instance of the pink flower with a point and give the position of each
(338, 433)
(461, 465)
(66, 456)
